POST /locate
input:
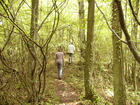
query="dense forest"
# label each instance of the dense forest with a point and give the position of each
(106, 62)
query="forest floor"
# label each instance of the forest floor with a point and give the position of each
(66, 93)
(70, 89)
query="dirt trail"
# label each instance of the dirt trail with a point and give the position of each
(67, 95)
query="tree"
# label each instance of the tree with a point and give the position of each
(88, 69)
(134, 34)
(81, 27)
(26, 62)
(118, 64)
(130, 43)
(32, 48)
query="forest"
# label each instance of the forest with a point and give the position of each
(105, 65)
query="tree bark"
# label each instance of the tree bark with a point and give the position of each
(32, 49)
(134, 36)
(81, 29)
(88, 69)
(118, 64)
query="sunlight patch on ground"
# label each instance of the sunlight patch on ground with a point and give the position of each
(69, 103)
(109, 93)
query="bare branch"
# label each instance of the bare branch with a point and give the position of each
(130, 44)
(51, 10)
(134, 14)
(45, 18)
(109, 25)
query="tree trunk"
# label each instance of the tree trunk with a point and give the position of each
(118, 64)
(33, 35)
(130, 44)
(32, 49)
(134, 33)
(81, 29)
(88, 70)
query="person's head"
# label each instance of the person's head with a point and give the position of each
(59, 49)
(71, 42)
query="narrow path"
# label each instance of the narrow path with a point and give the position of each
(67, 95)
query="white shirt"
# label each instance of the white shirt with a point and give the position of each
(71, 48)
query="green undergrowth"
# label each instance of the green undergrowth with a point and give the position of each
(75, 77)
(133, 97)
(103, 85)
(76, 80)
(51, 97)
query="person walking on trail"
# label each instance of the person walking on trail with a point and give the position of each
(71, 50)
(59, 62)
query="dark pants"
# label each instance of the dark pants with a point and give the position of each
(70, 57)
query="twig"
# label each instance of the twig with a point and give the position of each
(134, 14)
(109, 25)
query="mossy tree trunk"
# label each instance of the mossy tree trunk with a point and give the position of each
(32, 49)
(88, 69)
(118, 65)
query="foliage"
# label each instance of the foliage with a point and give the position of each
(15, 82)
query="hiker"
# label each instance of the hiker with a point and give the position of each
(59, 62)
(71, 50)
